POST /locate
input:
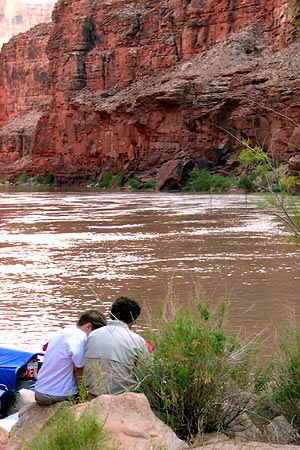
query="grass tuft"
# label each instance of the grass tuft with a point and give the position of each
(64, 431)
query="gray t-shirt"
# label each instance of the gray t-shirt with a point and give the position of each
(111, 355)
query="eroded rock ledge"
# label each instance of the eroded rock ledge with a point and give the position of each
(118, 85)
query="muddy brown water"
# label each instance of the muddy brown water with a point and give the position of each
(64, 251)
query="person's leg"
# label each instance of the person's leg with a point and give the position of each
(44, 399)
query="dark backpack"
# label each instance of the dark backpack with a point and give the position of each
(6, 398)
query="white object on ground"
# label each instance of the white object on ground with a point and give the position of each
(8, 422)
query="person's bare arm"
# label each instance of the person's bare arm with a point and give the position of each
(78, 371)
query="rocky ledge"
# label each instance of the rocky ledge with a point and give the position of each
(131, 424)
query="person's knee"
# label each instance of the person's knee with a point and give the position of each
(44, 400)
(41, 400)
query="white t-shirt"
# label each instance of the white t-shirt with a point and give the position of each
(110, 358)
(65, 350)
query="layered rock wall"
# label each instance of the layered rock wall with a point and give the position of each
(24, 71)
(24, 93)
(111, 44)
(137, 85)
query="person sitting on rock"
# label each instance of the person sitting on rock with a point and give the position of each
(62, 368)
(112, 352)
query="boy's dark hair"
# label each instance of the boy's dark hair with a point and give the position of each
(94, 316)
(125, 309)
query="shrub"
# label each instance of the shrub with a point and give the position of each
(222, 184)
(246, 182)
(63, 432)
(150, 184)
(22, 179)
(285, 377)
(48, 178)
(118, 179)
(199, 180)
(203, 181)
(106, 180)
(197, 370)
(133, 183)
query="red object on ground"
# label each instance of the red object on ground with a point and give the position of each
(150, 346)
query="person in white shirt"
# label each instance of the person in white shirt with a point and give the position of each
(112, 352)
(62, 368)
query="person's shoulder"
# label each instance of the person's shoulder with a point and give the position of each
(137, 337)
(96, 332)
(71, 329)
(73, 333)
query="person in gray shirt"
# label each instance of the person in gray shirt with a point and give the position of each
(112, 352)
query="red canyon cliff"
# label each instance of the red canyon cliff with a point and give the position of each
(149, 87)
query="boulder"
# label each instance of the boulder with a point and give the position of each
(242, 427)
(127, 417)
(237, 445)
(3, 438)
(280, 430)
(294, 163)
(219, 441)
(171, 175)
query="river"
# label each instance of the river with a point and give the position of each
(65, 251)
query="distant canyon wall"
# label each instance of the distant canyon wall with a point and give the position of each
(17, 16)
(139, 85)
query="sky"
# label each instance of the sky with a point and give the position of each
(38, 2)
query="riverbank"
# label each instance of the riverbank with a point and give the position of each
(141, 430)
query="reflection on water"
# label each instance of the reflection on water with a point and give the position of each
(62, 252)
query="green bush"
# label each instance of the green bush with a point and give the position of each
(118, 179)
(201, 180)
(64, 432)
(149, 185)
(222, 184)
(297, 27)
(133, 183)
(285, 377)
(106, 180)
(48, 178)
(197, 369)
(246, 182)
(22, 179)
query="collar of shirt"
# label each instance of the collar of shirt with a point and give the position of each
(117, 323)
